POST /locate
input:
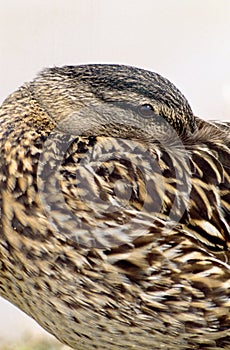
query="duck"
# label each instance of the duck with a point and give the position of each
(115, 211)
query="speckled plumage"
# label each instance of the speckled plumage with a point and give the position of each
(115, 223)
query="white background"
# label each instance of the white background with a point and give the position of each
(187, 41)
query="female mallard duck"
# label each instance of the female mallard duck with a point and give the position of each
(115, 210)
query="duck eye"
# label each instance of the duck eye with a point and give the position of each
(146, 110)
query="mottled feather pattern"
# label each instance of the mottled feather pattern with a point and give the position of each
(115, 225)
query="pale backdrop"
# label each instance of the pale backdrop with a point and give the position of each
(187, 41)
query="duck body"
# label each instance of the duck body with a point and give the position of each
(115, 211)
